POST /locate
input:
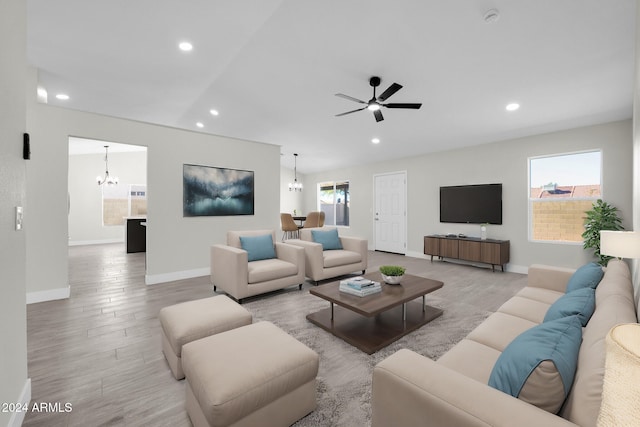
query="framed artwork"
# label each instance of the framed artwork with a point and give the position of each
(212, 191)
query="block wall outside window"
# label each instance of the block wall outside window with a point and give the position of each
(561, 189)
(121, 201)
(559, 220)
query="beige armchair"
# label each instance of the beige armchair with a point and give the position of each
(324, 264)
(232, 272)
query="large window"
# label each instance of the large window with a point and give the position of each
(334, 200)
(121, 201)
(561, 189)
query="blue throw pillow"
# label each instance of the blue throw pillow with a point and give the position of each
(589, 275)
(329, 239)
(258, 247)
(557, 341)
(581, 303)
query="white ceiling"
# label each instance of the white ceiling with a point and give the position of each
(94, 146)
(272, 67)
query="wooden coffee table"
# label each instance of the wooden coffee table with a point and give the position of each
(375, 321)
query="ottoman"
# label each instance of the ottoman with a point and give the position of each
(192, 320)
(256, 375)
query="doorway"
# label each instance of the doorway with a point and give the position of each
(390, 212)
(96, 209)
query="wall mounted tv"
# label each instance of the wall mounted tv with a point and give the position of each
(471, 204)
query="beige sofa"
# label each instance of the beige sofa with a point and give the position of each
(321, 265)
(234, 274)
(409, 389)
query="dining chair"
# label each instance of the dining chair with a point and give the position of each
(289, 226)
(313, 220)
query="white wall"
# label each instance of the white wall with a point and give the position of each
(636, 157)
(177, 247)
(14, 385)
(501, 162)
(85, 214)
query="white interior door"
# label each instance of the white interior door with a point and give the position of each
(390, 212)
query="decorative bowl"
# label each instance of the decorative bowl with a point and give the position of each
(392, 280)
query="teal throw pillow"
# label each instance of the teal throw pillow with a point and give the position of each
(328, 238)
(258, 247)
(581, 303)
(541, 360)
(589, 275)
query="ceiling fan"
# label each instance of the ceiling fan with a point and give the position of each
(375, 104)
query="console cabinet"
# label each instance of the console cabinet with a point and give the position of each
(489, 251)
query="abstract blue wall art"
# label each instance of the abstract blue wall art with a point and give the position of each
(212, 191)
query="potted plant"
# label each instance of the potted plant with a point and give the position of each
(602, 216)
(392, 274)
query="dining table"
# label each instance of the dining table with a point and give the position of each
(302, 219)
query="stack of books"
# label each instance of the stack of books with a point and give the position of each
(360, 286)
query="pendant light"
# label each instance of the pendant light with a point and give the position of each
(108, 179)
(295, 185)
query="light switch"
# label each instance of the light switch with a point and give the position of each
(18, 217)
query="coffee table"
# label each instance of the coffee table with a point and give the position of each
(375, 321)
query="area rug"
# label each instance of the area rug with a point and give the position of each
(344, 378)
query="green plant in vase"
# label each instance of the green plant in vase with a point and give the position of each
(602, 216)
(392, 274)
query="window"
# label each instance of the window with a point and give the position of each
(122, 200)
(334, 200)
(561, 189)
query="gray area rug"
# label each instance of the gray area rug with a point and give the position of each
(470, 294)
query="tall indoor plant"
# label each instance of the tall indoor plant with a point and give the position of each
(602, 216)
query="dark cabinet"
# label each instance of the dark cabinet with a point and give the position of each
(136, 235)
(489, 251)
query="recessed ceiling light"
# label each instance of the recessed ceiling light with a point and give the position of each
(376, 140)
(513, 106)
(200, 124)
(214, 112)
(62, 96)
(185, 46)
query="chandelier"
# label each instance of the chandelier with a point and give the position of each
(108, 179)
(295, 185)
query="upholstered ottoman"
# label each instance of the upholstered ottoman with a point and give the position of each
(192, 320)
(256, 375)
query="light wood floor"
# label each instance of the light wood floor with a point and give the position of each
(100, 349)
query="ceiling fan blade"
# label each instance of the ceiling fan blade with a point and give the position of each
(349, 112)
(378, 115)
(350, 98)
(390, 91)
(403, 105)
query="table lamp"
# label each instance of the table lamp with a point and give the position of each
(620, 244)
(621, 388)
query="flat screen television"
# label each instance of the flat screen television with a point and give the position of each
(471, 204)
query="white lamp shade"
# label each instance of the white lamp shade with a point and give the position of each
(620, 244)
(621, 387)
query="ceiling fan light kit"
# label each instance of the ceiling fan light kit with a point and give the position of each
(376, 103)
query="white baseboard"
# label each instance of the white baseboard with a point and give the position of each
(414, 254)
(25, 398)
(94, 242)
(154, 279)
(48, 295)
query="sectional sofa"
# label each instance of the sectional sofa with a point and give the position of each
(409, 389)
